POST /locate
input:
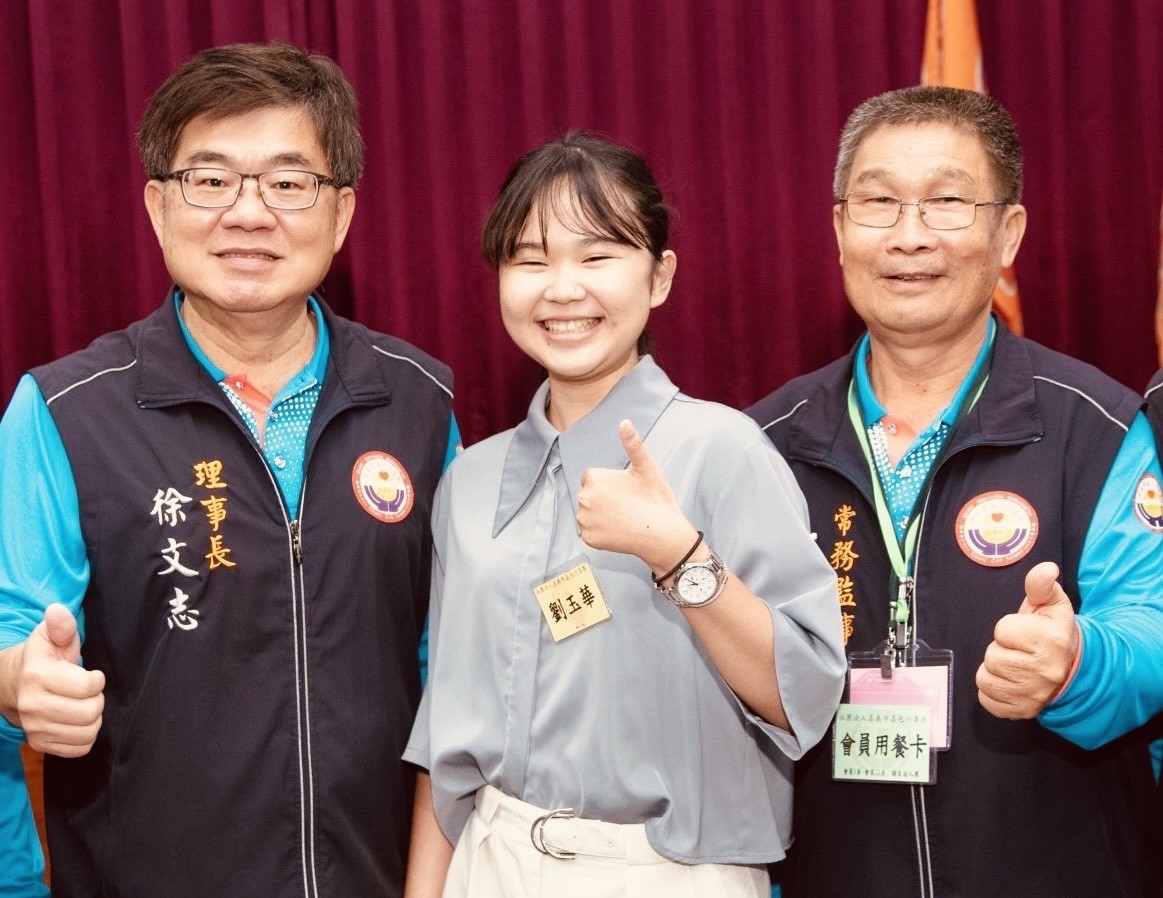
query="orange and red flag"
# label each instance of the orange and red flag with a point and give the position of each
(953, 59)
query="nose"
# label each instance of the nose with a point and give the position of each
(249, 207)
(910, 231)
(564, 285)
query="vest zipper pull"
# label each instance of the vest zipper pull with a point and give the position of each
(296, 542)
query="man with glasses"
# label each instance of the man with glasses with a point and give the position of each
(991, 510)
(230, 500)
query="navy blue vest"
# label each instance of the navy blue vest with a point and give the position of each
(253, 731)
(1016, 810)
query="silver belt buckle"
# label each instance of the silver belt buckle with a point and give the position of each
(537, 833)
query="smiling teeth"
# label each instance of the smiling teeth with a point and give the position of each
(575, 326)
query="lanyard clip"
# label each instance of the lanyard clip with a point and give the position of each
(898, 629)
(887, 660)
(899, 625)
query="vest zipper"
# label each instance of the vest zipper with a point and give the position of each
(920, 815)
(302, 689)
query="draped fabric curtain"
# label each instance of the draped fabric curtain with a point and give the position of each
(736, 103)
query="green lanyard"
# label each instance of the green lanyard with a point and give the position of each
(902, 553)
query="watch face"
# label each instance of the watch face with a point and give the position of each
(696, 585)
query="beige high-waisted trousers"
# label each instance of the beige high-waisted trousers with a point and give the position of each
(510, 849)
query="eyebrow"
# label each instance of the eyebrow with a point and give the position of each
(280, 160)
(596, 239)
(584, 242)
(942, 173)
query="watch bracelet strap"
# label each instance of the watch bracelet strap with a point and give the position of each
(715, 563)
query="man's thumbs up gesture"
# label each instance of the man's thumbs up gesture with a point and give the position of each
(1033, 652)
(44, 691)
(634, 510)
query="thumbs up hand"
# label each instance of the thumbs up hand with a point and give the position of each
(634, 511)
(58, 704)
(1033, 651)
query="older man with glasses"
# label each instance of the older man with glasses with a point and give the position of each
(992, 511)
(224, 509)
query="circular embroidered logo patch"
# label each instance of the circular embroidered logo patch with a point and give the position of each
(1149, 502)
(382, 487)
(997, 528)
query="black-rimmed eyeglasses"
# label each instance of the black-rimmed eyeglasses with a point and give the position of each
(941, 213)
(215, 188)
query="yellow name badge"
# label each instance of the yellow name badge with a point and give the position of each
(883, 744)
(571, 600)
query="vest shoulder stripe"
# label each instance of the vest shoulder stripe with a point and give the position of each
(1086, 396)
(795, 408)
(421, 368)
(89, 379)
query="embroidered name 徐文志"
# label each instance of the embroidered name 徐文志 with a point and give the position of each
(169, 508)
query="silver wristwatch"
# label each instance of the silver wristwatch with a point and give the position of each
(697, 583)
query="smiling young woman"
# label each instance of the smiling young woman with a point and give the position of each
(624, 582)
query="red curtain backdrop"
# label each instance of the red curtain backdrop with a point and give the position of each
(737, 104)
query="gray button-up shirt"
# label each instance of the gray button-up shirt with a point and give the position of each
(627, 721)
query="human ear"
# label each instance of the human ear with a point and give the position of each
(1013, 227)
(344, 210)
(155, 205)
(838, 227)
(662, 278)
